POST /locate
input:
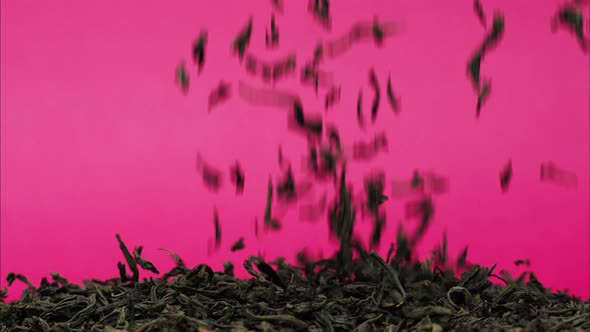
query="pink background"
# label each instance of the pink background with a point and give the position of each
(97, 138)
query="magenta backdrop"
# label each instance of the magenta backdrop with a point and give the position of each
(97, 138)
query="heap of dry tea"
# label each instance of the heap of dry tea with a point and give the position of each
(369, 293)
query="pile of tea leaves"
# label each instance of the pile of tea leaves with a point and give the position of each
(372, 293)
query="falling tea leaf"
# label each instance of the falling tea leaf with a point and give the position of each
(199, 50)
(506, 176)
(182, 77)
(238, 245)
(478, 8)
(393, 100)
(242, 40)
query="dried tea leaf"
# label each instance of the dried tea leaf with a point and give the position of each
(478, 8)
(228, 268)
(570, 17)
(182, 77)
(212, 177)
(11, 277)
(359, 109)
(473, 68)
(220, 94)
(199, 46)
(217, 226)
(496, 33)
(130, 260)
(377, 93)
(142, 262)
(506, 176)
(393, 99)
(238, 178)
(238, 245)
(272, 39)
(175, 257)
(269, 221)
(462, 259)
(482, 96)
(332, 97)
(242, 40)
(320, 10)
